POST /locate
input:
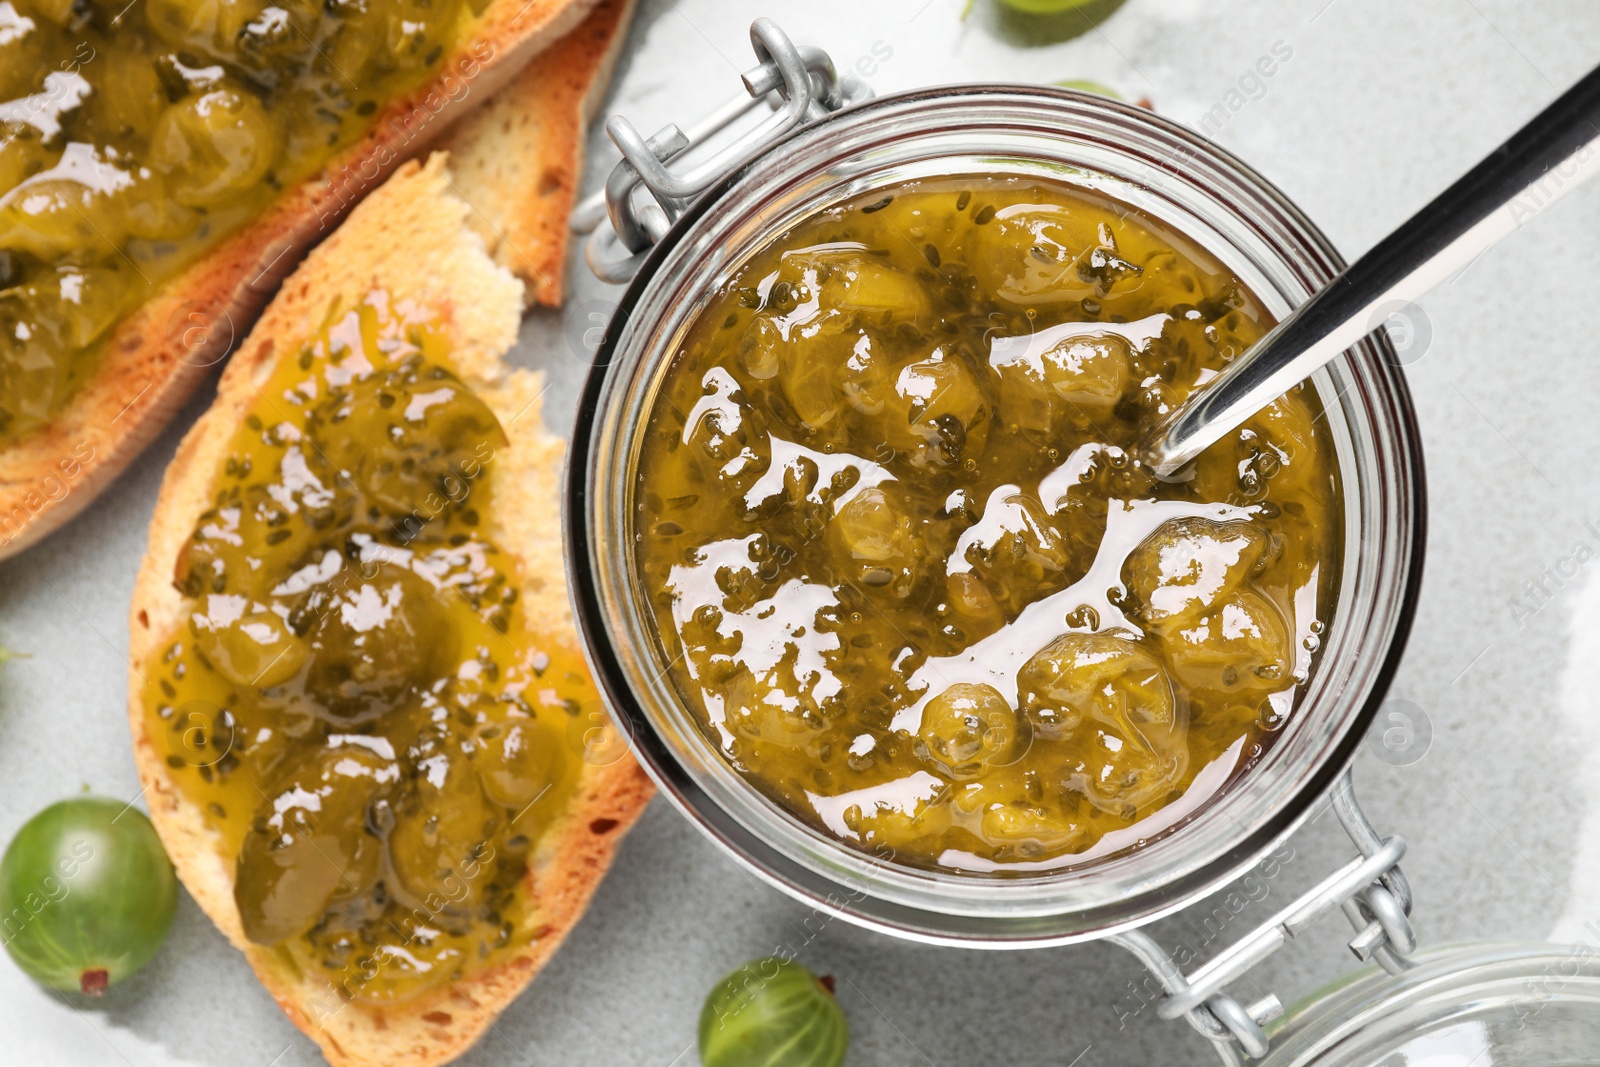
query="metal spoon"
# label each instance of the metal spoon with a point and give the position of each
(1542, 162)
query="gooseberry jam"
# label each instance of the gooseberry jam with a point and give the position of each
(355, 699)
(905, 571)
(135, 136)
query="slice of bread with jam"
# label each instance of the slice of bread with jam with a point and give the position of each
(360, 714)
(150, 361)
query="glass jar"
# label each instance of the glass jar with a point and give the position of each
(1478, 1005)
(1226, 822)
(705, 222)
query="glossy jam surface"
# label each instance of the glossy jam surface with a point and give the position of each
(904, 568)
(135, 136)
(355, 698)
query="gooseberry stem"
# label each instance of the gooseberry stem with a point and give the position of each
(93, 983)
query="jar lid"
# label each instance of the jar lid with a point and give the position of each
(1472, 1005)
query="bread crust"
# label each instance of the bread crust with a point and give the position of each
(410, 239)
(510, 156)
(155, 358)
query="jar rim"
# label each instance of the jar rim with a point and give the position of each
(853, 885)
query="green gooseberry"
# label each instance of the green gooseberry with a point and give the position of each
(1047, 7)
(87, 894)
(772, 1013)
(1083, 85)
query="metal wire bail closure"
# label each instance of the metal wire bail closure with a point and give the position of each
(800, 84)
(1371, 890)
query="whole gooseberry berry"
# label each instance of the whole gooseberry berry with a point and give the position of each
(1047, 7)
(87, 894)
(1084, 85)
(772, 1013)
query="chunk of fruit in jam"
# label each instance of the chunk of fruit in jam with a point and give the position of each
(877, 544)
(311, 844)
(973, 606)
(1276, 450)
(1015, 549)
(520, 760)
(1030, 255)
(1242, 644)
(375, 643)
(1184, 569)
(1013, 818)
(937, 414)
(1096, 676)
(248, 644)
(849, 279)
(1031, 828)
(969, 728)
(439, 846)
(412, 439)
(1113, 698)
(1077, 376)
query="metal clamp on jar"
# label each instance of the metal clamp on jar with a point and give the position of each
(678, 231)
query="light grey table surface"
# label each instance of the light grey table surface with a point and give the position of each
(1380, 105)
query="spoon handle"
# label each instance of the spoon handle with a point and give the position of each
(1539, 164)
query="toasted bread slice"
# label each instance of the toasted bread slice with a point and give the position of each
(409, 238)
(512, 157)
(153, 360)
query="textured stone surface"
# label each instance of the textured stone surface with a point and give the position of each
(1380, 106)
